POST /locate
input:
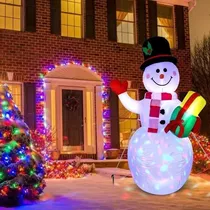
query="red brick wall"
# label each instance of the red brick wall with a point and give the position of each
(27, 53)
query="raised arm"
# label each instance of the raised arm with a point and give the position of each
(121, 90)
(129, 103)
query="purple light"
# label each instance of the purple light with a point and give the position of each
(106, 114)
(8, 95)
(107, 146)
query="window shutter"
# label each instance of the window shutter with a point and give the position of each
(55, 16)
(90, 19)
(152, 18)
(179, 15)
(111, 20)
(30, 15)
(114, 117)
(30, 104)
(181, 95)
(141, 20)
(142, 93)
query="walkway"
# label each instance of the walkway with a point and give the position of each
(96, 192)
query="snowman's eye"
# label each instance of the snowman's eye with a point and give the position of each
(165, 70)
(158, 70)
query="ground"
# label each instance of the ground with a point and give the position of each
(97, 191)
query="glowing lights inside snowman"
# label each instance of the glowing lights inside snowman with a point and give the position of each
(160, 162)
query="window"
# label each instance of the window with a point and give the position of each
(128, 121)
(125, 21)
(71, 18)
(165, 22)
(10, 14)
(16, 91)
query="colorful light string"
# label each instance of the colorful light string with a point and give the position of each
(66, 169)
(21, 167)
(40, 101)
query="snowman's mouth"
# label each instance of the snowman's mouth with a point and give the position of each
(163, 84)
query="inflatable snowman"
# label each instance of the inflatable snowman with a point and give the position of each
(160, 162)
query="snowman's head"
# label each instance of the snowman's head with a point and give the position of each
(161, 77)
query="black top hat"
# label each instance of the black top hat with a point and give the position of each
(155, 50)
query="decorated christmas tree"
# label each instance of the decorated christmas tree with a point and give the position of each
(21, 167)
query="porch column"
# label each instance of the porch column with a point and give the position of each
(90, 121)
(50, 111)
(47, 104)
(99, 123)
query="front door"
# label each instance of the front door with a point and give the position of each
(72, 120)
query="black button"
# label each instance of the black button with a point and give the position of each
(162, 111)
(162, 122)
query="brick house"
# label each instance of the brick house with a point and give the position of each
(48, 47)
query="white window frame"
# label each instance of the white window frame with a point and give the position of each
(137, 119)
(22, 92)
(174, 21)
(22, 15)
(134, 24)
(82, 21)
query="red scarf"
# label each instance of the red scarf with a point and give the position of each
(155, 103)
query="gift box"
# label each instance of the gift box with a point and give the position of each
(184, 118)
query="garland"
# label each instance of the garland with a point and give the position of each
(71, 102)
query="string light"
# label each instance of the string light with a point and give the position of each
(201, 158)
(15, 153)
(66, 169)
(41, 111)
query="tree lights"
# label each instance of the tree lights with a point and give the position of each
(21, 168)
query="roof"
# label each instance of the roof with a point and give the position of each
(74, 72)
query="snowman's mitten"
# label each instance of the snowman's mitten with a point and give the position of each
(175, 125)
(182, 126)
(119, 87)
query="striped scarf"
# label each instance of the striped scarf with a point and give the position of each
(154, 112)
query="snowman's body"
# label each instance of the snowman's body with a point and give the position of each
(160, 162)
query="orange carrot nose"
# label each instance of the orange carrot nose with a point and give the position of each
(161, 76)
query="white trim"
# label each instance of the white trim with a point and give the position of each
(99, 123)
(23, 12)
(11, 82)
(83, 2)
(91, 122)
(82, 83)
(91, 103)
(135, 23)
(174, 23)
(72, 72)
(138, 116)
(90, 136)
(136, 90)
(174, 2)
(59, 122)
(82, 21)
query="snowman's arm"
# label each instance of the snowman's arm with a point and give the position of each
(129, 103)
(177, 102)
